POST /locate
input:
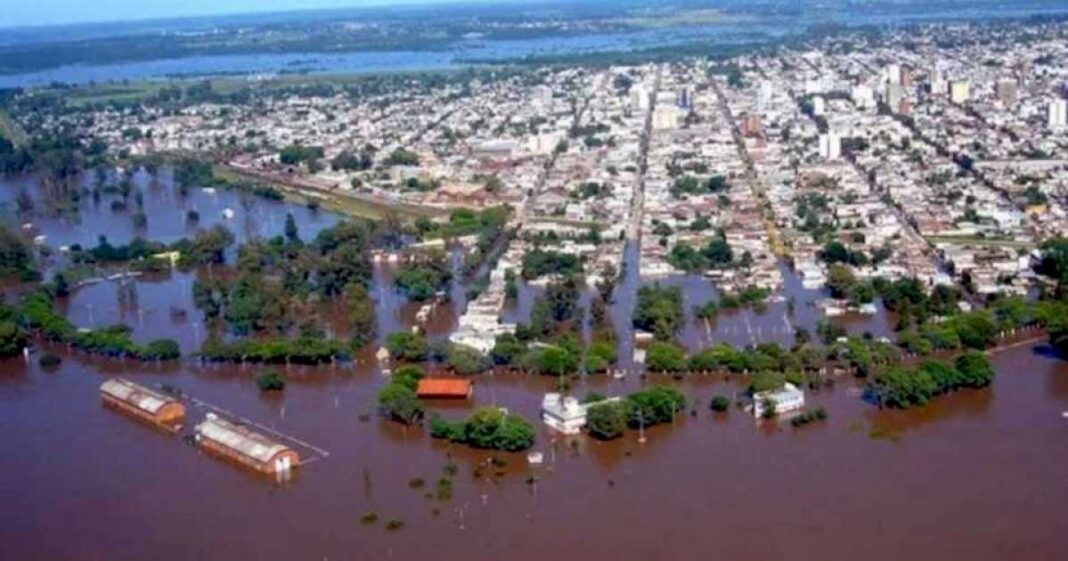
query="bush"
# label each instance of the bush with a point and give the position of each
(654, 405)
(720, 404)
(162, 349)
(487, 428)
(606, 421)
(404, 345)
(398, 399)
(49, 360)
(271, 380)
(666, 357)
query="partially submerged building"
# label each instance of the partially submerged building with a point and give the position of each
(248, 448)
(785, 399)
(444, 388)
(143, 403)
(565, 413)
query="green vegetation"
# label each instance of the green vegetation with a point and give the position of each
(902, 388)
(49, 360)
(539, 262)
(690, 185)
(296, 154)
(401, 157)
(716, 254)
(397, 399)
(421, 280)
(12, 338)
(271, 380)
(817, 414)
(720, 404)
(487, 428)
(663, 356)
(606, 421)
(654, 406)
(659, 311)
(406, 346)
(38, 313)
(16, 257)
(308, 349)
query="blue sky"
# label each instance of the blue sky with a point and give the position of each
(50, 12)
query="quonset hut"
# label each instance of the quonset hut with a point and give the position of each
(248, 448)
(142, 403)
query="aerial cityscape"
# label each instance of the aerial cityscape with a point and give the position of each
(583, 279)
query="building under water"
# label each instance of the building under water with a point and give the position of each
(248, 448)
(143, 403)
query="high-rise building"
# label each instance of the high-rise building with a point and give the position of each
(830, 146)
(1057, 113)
(892, 74)
(752, 125)
(1005, 90)
(639, 98)
(863, 97)
(763, 96)
(937, 81)
(666, 117)
(818, 106)
(685, 98)
(960, 91)
(893, 95)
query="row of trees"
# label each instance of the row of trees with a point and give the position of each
(902, 387)
(38, 313)
(488, 428)
(609, 419)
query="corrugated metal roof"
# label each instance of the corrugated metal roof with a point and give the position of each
(134, 394)
(240, 439)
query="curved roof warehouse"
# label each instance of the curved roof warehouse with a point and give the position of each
(142, 403)
(244, 446)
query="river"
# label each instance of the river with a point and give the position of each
(758, 30)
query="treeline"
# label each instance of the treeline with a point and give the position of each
(16, 257)
(37, 312)
(902, 387)
(488, 428)
(305, 349)
(206, 247)
(609, 419)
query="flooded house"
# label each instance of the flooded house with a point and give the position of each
(444, 388)
(248, 448)
(143, 403)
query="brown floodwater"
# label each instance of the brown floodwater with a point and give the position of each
(978, 474)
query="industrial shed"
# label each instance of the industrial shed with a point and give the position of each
(248, 448)
(142, 403)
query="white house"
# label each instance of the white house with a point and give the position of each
(565, 413)
(787, 398)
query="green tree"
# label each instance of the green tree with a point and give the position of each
(608, 420)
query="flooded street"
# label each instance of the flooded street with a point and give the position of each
(977, 475)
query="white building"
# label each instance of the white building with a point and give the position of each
(960, 91)
(639, 98)
(565, 413)
(830, 146)
(818, 106)
(863, 97)
(785, 399)
(1057, 113)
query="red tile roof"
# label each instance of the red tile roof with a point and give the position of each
(444, 387)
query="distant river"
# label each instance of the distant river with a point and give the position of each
(464, 52)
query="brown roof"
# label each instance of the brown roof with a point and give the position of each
(444, 387)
